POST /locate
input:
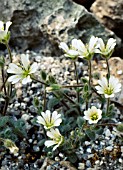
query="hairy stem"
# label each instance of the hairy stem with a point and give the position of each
(9, 91)
(33, 78)
(90, 77)
(108, 103)
(108, 69)
(3, 80)
(9, 52)
(45, 98)
(77, 80)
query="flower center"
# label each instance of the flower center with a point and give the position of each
(94, 116)
(108, 90)
(26, 73)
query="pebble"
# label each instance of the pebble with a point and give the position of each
(89, 150)
(87, 143)
(90, 156)
(119, 72)
(109, 148)
(120, 160)
(57, 158)
(81, 166)
(25, 117)
(88, 163)
(107, 133)
(23, 105)
(17, 104)
(26, 99)
(30, 140)
(36, 148)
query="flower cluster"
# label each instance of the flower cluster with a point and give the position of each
(95, 45)
(22, 72)
(50, 120)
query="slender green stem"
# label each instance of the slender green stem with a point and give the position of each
(61, 101)
(3, 80)
(108, 68)
(6, 105)
(90, 77)
(3, 84)
(9, 91)
(67, 97)
(108, 103)
(72, 86)
(33, 78)
(77, 80)
(9, 52)
(45, 98)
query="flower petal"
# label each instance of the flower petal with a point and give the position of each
(41, 120)
(1, 25)
(26, 80)
(13, 68)
(49, 143)
(25, 61)
(101, 44)
(72, 52)
(8, 25)
(64, 46)
(33, 68)
(14, 79)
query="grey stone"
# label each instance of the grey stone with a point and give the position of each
(42, 25)
(110, 13)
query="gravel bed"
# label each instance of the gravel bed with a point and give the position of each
(106, 153)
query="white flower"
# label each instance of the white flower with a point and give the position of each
(57, 138)
(22, 72)
(106, 50)
(4, 33)
(93, 115)
(49, 119)
(87, 51)
(108, 88)
(72, 51)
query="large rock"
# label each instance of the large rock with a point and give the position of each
(41, 24)
(110, 13)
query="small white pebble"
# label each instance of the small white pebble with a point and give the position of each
(61, 155)
(25, 117)
(87, 143)
(104, 65)
(109, 148)
(122, 149)
(119, 72)
(57, 158)
(88, 150)
(97, 162)
(107, 133)
(120, 160)
(81, 166)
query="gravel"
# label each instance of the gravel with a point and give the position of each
(104, 153)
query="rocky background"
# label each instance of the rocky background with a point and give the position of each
(40, 25)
